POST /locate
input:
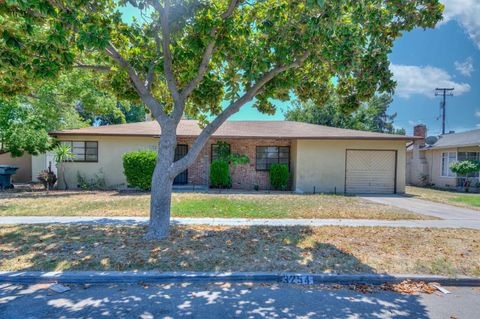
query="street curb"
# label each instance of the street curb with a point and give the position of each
(130, 277)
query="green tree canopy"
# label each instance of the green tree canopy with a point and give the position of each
(371, 116)
(72, 100)
(186, 57)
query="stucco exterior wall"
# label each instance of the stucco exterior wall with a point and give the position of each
(109, 165)
(434, 170)
(321, 164)
(24, 164)
(434, 159)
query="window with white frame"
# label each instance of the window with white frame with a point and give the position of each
(447, 159)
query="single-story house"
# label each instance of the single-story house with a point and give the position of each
(429, 158)
(320, 158)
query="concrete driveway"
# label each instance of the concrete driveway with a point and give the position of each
(425, 207)
(231, 301)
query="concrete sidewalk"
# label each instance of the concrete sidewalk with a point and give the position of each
(472, 224)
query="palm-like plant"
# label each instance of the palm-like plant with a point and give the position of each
(63, 153)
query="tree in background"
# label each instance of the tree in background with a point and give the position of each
(186, 57)
(73, 100)
(127, 114)
(371, 116)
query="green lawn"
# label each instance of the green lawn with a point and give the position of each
(199, 205)
(469, 200)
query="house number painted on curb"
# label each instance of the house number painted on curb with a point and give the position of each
(298, 279)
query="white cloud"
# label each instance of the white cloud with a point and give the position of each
(466, 68)
(422, 80)
(477, 113)
(467, 13)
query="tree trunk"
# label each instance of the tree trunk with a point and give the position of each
(63, 176)
(162, 182)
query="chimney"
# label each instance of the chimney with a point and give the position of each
(420, 130)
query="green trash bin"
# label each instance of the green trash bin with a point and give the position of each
(6, 172)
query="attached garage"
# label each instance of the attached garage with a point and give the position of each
(349, 166)
(371, 171)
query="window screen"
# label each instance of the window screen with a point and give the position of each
(268, 155)
(84, 151)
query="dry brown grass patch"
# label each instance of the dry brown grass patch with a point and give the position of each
(207, 248)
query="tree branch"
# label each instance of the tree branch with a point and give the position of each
(207, 56)
(207, 132)
(155, 107)
(92, 66)
(150, 76)
(167, 54)
(117, 57)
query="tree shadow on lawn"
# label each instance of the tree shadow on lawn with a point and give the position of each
(189, 248)
(199, 248)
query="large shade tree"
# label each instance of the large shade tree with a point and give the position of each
(186, 57)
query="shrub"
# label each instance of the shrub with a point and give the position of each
(138, 168)
(220, 174)
(279, 176)
(464, 168)
(96, 183)
(47, 178)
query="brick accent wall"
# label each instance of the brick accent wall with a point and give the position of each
(244, 176)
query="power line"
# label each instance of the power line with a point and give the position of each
(444, 92)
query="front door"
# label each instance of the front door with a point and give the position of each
(180, 151)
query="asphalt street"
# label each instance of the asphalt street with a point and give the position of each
(184, 300)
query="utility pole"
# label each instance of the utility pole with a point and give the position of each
(444, 92)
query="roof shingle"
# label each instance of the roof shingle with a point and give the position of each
(237, 129)
(469, 138)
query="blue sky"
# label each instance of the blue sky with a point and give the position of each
(447, 56)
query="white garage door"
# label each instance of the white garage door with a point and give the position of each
(370, 171)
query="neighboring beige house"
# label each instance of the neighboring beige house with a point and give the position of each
(24, 164)
(320, 158)
(429, 158)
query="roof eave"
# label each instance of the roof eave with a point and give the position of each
(454, 146)
(382, 138)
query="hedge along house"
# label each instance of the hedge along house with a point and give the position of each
(320, 158)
